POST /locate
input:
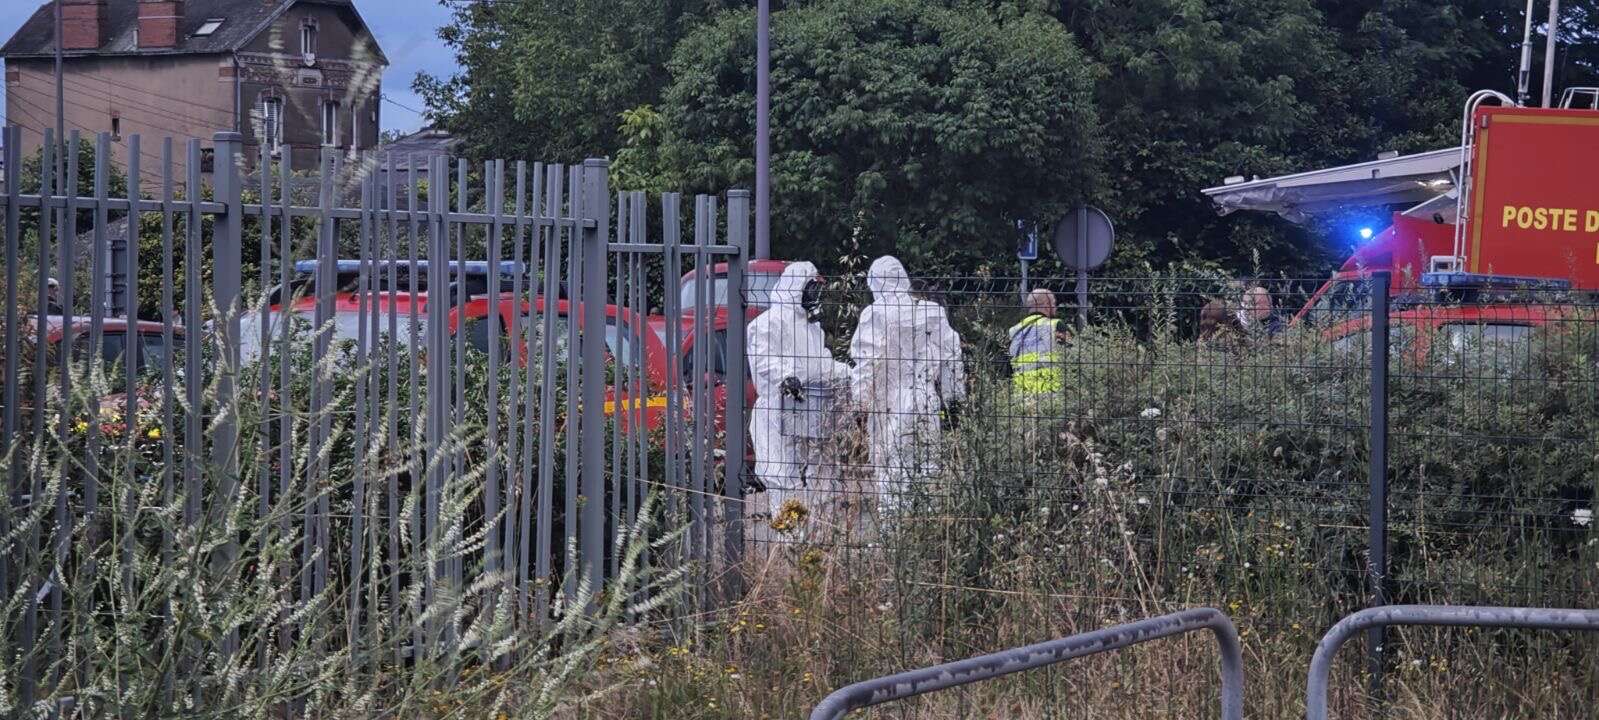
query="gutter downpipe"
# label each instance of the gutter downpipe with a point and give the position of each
(238, 95)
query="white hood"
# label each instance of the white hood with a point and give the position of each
(790, 287)
(887, 277)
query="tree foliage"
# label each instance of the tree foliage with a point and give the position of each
(931, 127)
(898, 125)
(549, 79)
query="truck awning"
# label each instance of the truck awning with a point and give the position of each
(1402, 180)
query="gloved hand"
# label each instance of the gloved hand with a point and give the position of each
(952, 414)
(791, 387)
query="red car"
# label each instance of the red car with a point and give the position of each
(151, 354)
(760, 276)
(622, 329)
(471, 317)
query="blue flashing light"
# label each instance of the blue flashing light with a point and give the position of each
(1365, 233)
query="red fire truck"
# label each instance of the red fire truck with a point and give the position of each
(1531, 206)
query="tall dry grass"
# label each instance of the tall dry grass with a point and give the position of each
(150, 595)
(1171, 476)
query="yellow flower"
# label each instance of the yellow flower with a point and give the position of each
(154, 433)
(790, 516)
(82, 426)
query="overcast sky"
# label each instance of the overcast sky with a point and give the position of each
(405, 29)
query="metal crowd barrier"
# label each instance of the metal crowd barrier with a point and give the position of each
(987, 667)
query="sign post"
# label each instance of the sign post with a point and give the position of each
(1083, 240)
(1026, 248)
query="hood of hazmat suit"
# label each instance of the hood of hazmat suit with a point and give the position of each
(907, 367)
(784, 343)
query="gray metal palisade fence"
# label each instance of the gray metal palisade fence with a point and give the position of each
(322, 349)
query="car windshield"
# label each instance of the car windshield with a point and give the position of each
(346, 326)
(1359, 341)
(758, 292)
(1496, 344)
(1342, 301)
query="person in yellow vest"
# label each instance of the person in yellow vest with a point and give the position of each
(1036, 345)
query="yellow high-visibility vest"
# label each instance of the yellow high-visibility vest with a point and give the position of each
(1036, 357)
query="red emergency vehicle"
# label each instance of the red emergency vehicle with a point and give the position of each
(1531, 207)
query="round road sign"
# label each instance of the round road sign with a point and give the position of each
(1084, 238)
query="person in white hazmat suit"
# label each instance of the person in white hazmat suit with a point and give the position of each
(908, 374)
(788, 352)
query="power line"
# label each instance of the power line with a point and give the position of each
(400, 105)
(145, 121)
(145, 151)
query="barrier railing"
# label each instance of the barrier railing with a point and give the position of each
(987, 667)
(1443, 615)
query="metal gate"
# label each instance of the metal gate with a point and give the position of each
(416, 390)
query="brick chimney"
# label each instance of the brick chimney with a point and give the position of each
(158, 23)
(82, 24)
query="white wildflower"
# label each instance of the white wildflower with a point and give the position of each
(1101, 481)
(1583, 517)
(1246, 566)
(1143, 501)
(1150, 413)
(1161, 435)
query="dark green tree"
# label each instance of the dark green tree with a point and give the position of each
(899, 126)
(549, 79)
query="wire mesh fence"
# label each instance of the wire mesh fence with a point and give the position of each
(1198, 442)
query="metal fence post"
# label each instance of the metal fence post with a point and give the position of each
(733, 471)
(227, 278)
(596, 209)
(1377, 567)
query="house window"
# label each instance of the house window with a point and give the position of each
(308, 41)
(272, 122)
(330, 123)
(209, 26)
(116, 128)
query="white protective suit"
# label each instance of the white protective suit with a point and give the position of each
(783, 343)
(908, 368)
